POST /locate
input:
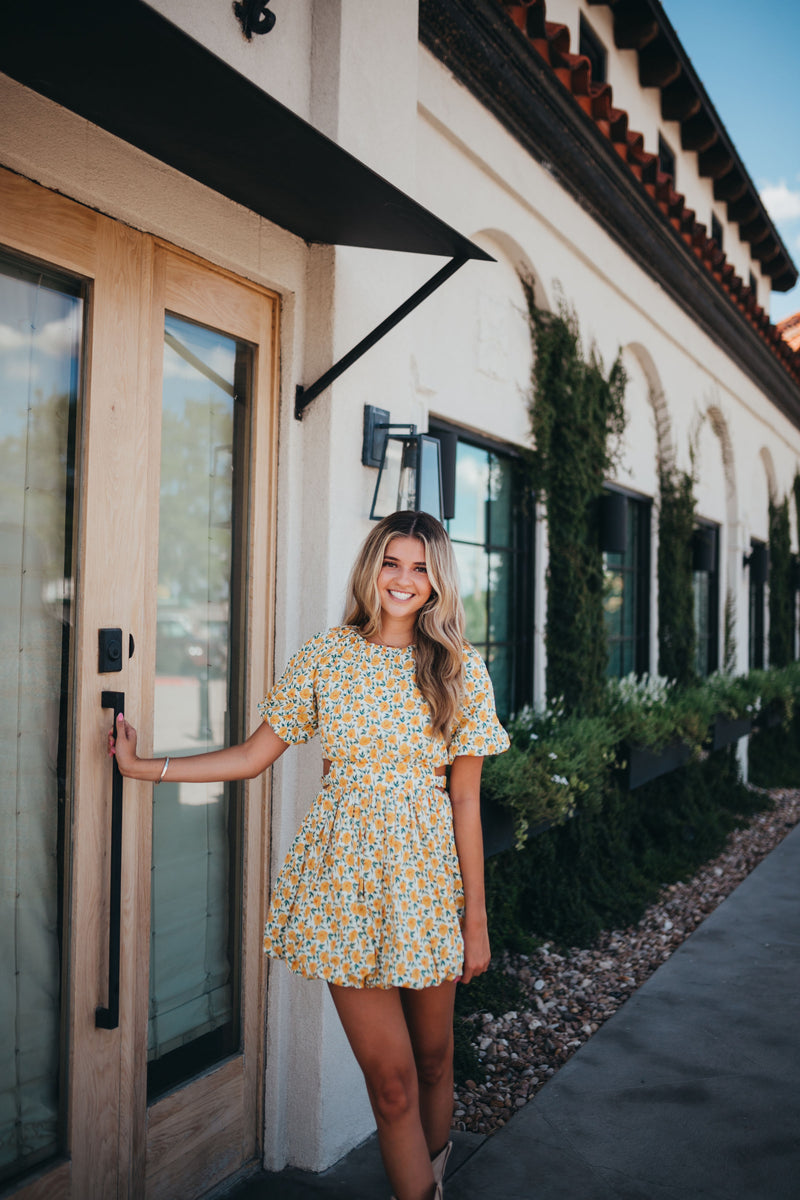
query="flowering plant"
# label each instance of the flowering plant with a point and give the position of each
(560, 763)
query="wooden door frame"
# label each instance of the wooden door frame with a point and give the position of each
(187, 286)
(115, 437)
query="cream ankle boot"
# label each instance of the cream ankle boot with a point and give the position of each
(437, 1195)
(439, 1163)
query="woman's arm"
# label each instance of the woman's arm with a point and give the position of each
(465, 797)
(246, 761)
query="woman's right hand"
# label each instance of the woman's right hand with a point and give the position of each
(122, 745)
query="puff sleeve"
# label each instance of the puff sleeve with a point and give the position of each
(477, 731)
(291, 706)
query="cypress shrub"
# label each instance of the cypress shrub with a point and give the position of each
(601, 869)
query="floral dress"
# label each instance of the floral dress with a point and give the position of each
(370, 894)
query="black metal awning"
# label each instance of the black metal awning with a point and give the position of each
(124, 67)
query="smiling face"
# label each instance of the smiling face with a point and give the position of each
(403, 583)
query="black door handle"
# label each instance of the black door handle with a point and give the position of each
(108, 1018)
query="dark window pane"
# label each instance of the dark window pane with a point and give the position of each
(492, 538)
(501, 582)
(626, 596)
(472, 487)
(756, 621)
(501, 483)
(613, 601)
(500, 672)
(473, 573)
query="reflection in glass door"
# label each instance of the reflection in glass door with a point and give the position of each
(41, 319)
(195, 919)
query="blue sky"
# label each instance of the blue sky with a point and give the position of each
(748, 58)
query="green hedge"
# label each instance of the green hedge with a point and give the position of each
(601, 869)
(774, 758)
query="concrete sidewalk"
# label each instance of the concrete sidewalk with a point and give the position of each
(691, 1091)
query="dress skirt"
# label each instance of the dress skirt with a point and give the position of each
(370, 894)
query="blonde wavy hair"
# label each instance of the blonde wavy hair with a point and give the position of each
(439, 635)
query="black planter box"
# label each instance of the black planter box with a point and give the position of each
(498, 828)
(645, 765)
(729, 729)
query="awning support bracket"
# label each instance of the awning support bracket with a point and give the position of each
(304, 396)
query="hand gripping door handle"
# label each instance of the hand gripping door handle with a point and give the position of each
(108, 1018)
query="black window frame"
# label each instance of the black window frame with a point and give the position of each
(756, 622)
(590, 46)
(638, 571)
(522, 547)
(666, 158)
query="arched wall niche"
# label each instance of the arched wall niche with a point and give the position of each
(769, 470)
(496, 239)
(762, 488)
(472, 364)
(715, 474)
(665, 447)
(640, 449)
(716, 493)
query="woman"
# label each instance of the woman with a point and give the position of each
(382, 892)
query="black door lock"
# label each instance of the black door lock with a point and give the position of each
(109, 650)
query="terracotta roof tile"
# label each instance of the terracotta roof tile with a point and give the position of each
(552, 42)
(789, 329)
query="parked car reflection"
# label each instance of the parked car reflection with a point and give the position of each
(179, 650)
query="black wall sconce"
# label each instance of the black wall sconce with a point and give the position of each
(254, 17)
(410, 466)
(758, 562)
(703, 549)
(613, 523)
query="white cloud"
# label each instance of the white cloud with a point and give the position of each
(220, 359)
(55, 338)
(781, 202)
(10, 339)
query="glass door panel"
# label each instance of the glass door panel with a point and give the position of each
(194, 936)
(41, 323)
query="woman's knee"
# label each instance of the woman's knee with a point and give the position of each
(435, 1064)
(393, 1092)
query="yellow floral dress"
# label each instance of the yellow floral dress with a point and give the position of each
(370, 894)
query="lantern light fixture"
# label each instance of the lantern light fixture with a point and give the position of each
(613, 522)
(409, 466)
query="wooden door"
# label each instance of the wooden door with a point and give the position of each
(173, 415)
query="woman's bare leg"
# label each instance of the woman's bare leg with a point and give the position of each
(429, 1017)
(375, 1025)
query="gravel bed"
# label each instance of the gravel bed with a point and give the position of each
(569, 995)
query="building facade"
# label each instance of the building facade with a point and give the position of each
(194, 223)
